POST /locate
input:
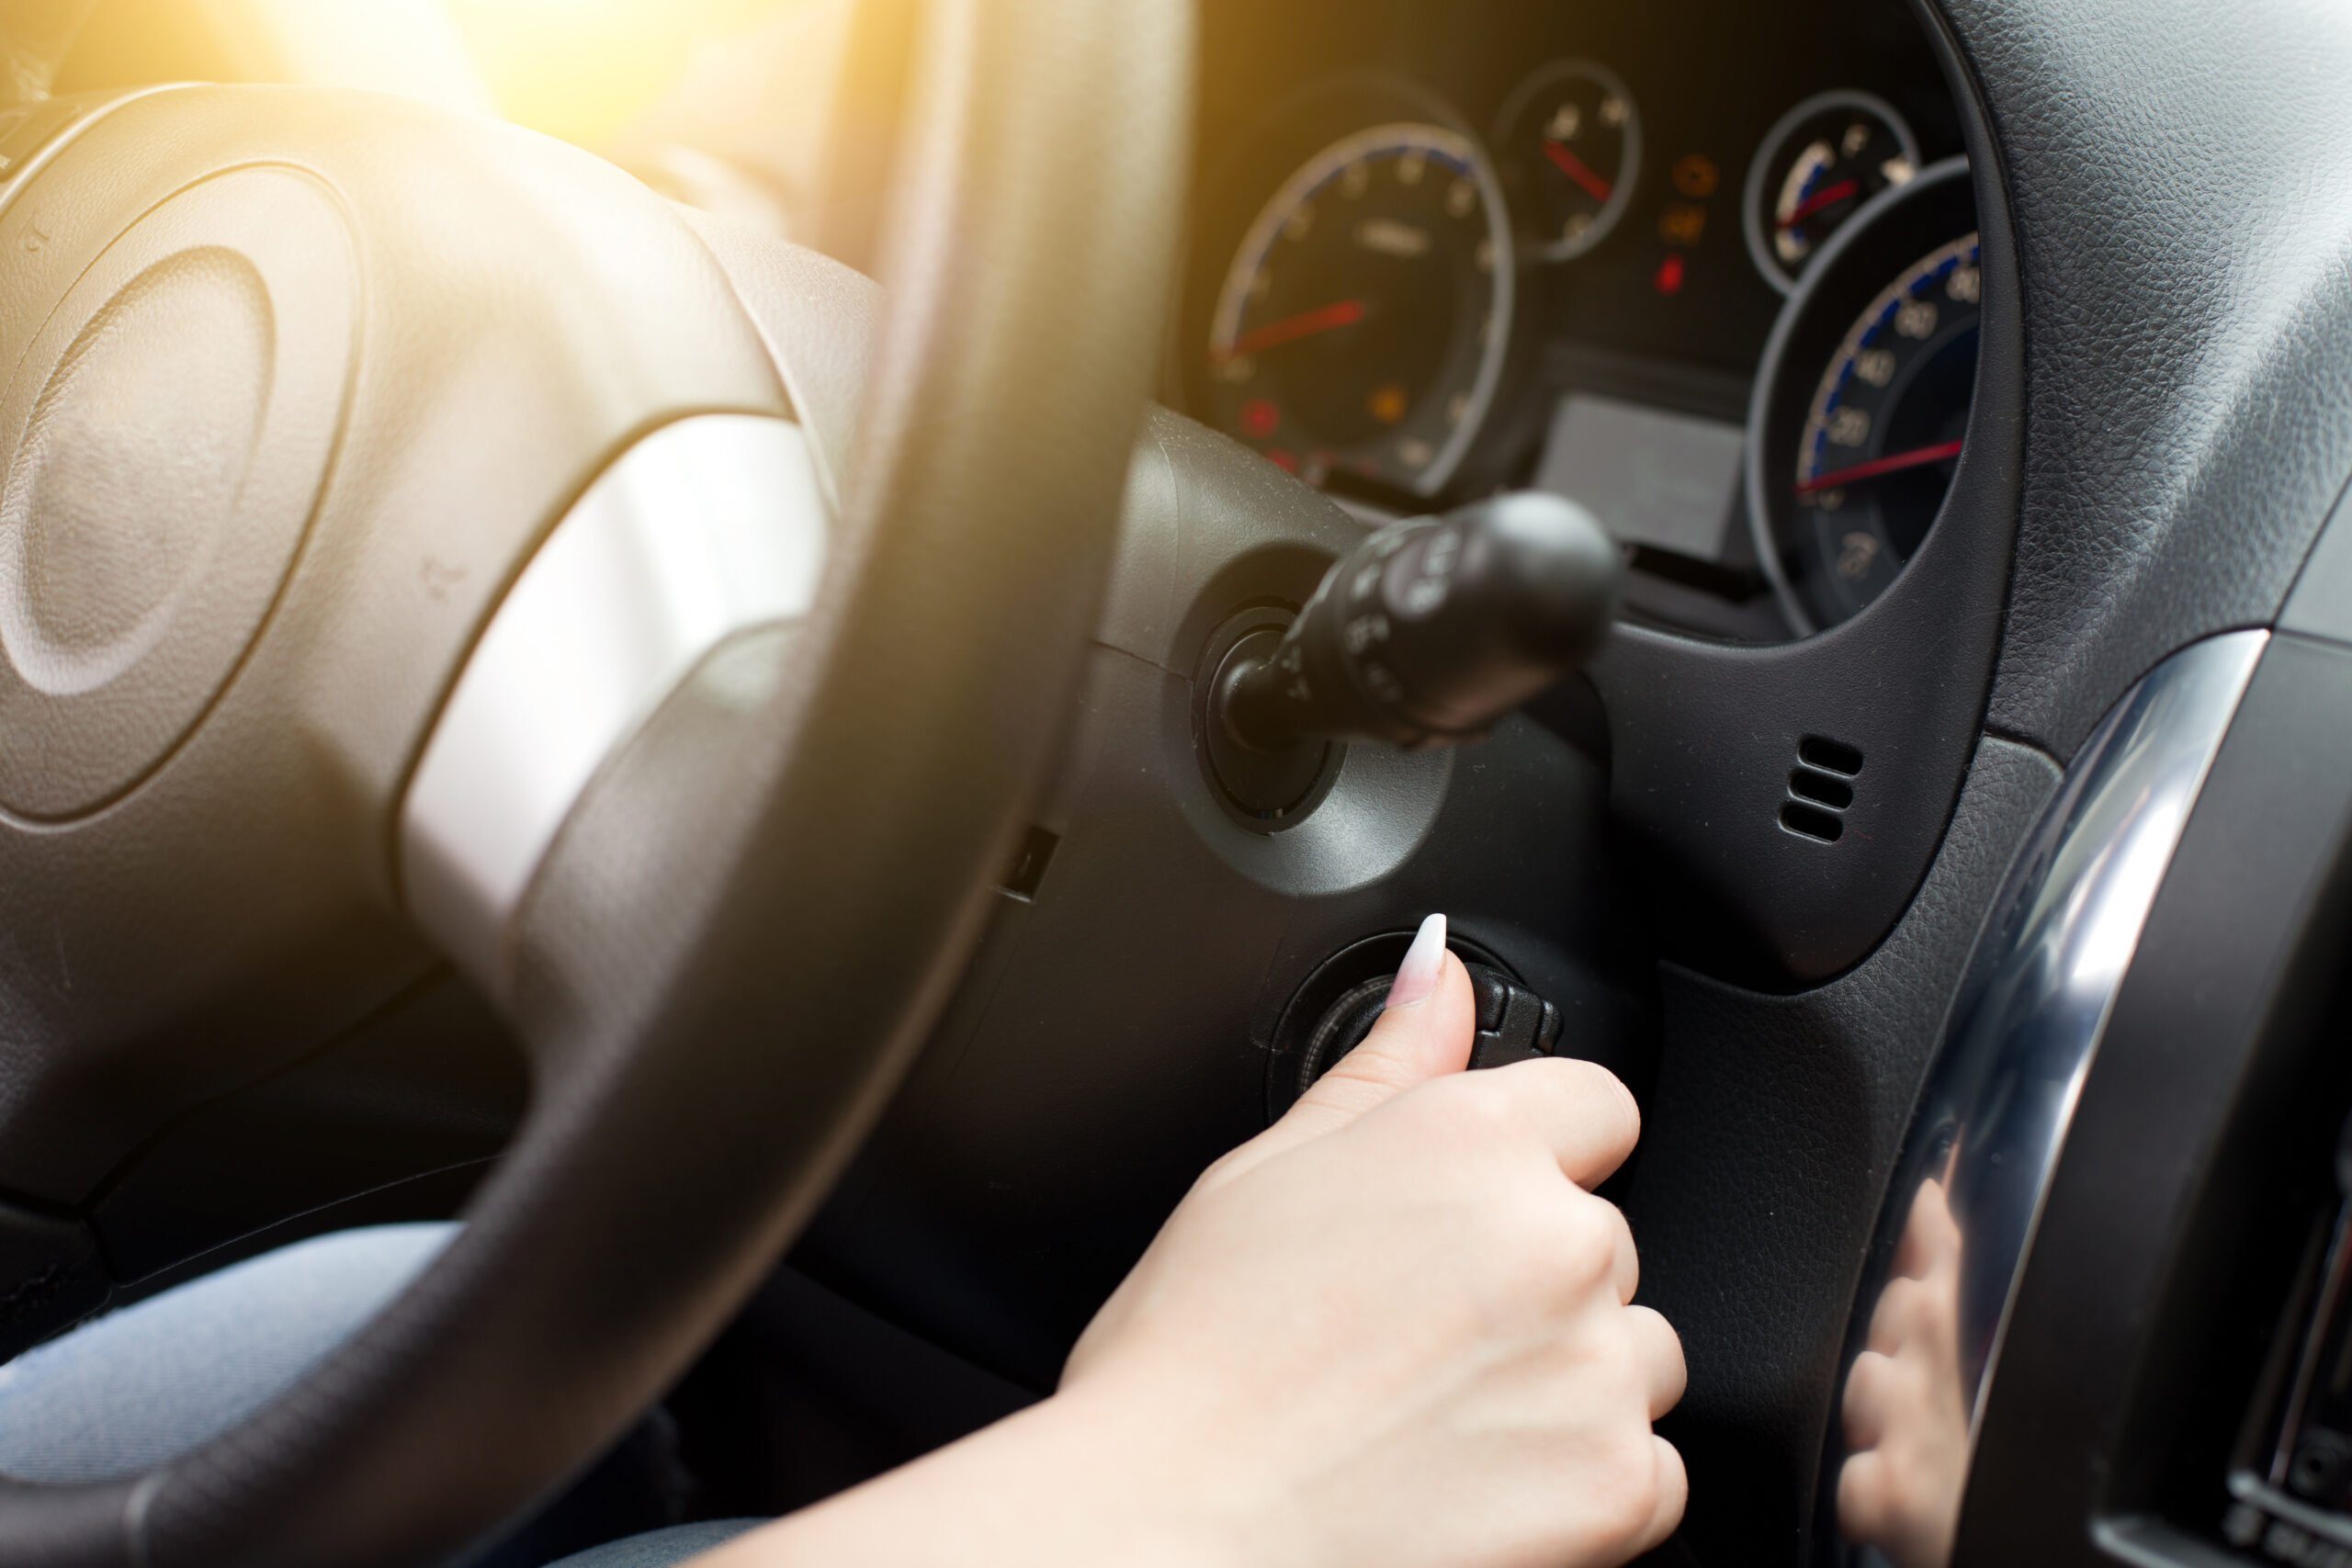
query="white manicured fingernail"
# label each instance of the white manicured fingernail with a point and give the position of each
(1424, 962)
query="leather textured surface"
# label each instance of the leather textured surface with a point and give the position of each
(1771, 1132)
(2182, 209)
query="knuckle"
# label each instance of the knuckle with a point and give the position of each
(1621, 1237)
(1661, 1340)
(1865, 1387)
(1603, 1092)
(1584, 1239)
(1627, 1483)
(1862, 1505)
(1582, 1095)
(1560, 1253)
(1673, 1483)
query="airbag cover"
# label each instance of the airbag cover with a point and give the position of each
(171, 423)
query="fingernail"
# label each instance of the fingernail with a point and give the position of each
(1424, 962)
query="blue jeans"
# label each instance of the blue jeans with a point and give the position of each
(136, 1388)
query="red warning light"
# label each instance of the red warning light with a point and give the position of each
(1282, 459)
(1259, 419)
(1668, 280)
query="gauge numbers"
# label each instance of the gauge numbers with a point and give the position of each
(1363, 324)
(1883, 433)
(1571, 141)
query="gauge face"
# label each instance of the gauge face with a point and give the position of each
(1571, 141)
(1882, 435)
(1363, 323)
(1816, 168)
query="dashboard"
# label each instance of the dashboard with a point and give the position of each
(1708, 271)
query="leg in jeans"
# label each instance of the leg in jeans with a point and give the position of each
(139, 1387)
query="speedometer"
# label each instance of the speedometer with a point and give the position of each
(1861, 412)
(1885, 430)
(1361, 326)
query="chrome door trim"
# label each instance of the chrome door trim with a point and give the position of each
(705, 528)
(1986, 1142)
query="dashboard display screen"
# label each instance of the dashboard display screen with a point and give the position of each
(1658, 478)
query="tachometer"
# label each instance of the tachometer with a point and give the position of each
(1363, 321)
(1815, 170)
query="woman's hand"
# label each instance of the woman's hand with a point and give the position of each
(1390, 1331)
(1906, 1411)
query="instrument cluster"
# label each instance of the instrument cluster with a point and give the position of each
(1446, 249)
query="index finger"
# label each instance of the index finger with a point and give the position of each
(1581, 1109)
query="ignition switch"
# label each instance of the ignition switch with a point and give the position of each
(1343, 999)
(1430, 631)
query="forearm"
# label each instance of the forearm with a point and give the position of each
(1070, 1481)
(1394, 1330)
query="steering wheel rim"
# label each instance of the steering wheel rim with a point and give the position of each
(718, 979)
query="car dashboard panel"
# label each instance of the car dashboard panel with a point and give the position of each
(1439, 251)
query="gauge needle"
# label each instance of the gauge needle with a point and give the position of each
(1290, 328)
(1576, 169)
(1828, 196)
(1879, 467)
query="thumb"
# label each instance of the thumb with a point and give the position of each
(1425, 1033)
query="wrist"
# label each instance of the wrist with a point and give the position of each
(1090, 1476)
(1135, 1475)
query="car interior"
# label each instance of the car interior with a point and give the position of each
(796, 654)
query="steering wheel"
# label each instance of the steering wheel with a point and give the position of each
(421, 542)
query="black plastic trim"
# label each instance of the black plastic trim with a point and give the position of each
(1705, 734)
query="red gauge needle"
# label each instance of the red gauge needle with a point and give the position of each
(1828, 196)
(1290, 328)
(1879, 467)
(1576, 169)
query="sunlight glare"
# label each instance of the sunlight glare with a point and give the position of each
(583, 69)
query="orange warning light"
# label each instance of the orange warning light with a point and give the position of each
(1696, 176)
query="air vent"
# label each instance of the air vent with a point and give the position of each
(1830, 756)
(1821, 789)
(1821, 786)
(1811, 822)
